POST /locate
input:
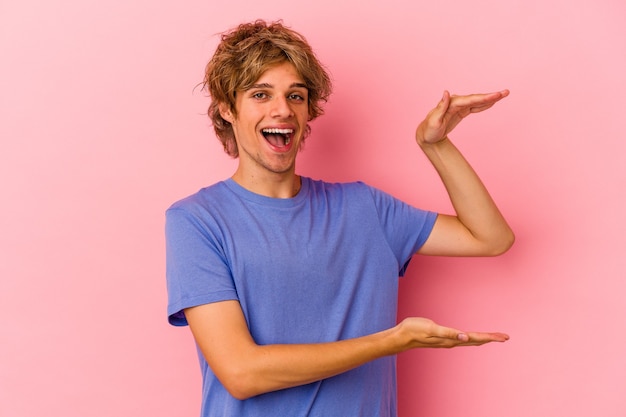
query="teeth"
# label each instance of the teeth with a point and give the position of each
(281, 131)
(285, 132)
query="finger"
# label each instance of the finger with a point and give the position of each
(478, 109)
(463, 337)
(442, 107)
(478, 101)
(480, 338)
(489, 100)
(445, 98)
(449, 333)
(449, 337)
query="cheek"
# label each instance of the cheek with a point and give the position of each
(243, 128)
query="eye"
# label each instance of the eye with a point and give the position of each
(259, 95)
(296, 97)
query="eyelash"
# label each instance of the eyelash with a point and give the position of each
(262, 96)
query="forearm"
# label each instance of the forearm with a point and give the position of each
(247, 369)
(474, 207)
(272, 367)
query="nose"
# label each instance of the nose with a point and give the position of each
(281, 108)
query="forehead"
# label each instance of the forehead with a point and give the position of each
(281, 75)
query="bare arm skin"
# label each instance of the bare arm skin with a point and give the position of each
(478, 229)
(247, 369)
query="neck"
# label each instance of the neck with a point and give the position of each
(270, 185)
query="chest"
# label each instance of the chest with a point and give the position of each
(310, 269)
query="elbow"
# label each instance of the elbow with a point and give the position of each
(239, 393)
(241, 384)
(237, 390)
(503, 244)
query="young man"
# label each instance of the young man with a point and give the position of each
(289, 284)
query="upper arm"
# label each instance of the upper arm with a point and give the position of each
(450, 237)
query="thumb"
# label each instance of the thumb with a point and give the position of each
(438, 112)
(444, 103)
(462, 337)
(453, 334)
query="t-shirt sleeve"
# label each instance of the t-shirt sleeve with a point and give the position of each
(406, 228)
(196, 269)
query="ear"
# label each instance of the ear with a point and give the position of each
(226, 113)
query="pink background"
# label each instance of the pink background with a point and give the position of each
(101, 130)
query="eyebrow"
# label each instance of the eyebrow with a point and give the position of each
(267, 85)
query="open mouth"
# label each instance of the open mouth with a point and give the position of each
(278, 137)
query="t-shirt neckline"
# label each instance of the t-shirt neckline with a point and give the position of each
(271, 201)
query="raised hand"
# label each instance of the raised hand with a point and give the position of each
(450, 111)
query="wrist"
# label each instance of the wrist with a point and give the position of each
(437, 150)
(425, 144)
(400, 338)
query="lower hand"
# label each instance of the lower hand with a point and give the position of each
(422, 332)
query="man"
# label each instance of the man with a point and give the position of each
(289, 284)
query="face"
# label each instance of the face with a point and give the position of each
(271, 121)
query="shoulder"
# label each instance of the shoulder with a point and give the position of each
(356, 195)
(203, 198)
(204, 210)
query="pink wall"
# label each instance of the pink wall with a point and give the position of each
(101, 130)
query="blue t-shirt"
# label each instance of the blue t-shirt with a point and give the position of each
(319, 267)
